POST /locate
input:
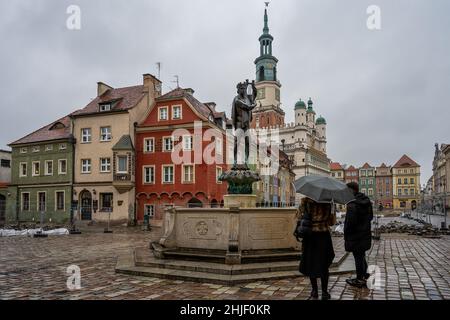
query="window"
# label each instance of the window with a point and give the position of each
(149, 145)
(277, 94)
(405, 181)
(41, 201)
(105, 107)
(399, 181)
(62, 166)
(122, 164)
(188, 173)
(333, 174)
(411, 192)
(388, 193)
(23, 169)
(49, 167)
(387, 181)
(261, 93)
(25, 201)
(5, 163)
(370, 181)
(168, 144)
(168, 174)
(370, 173)
(105, 164)
(411, 180)
(411, 171)
(23, 150)
(49, 147)
(105, 134)
(162, 113)
(36, 149)
(149, 174)
(339, 174)
(85, 135)
(363, 190)
(399, 192)
(36, 168)
(60, 199)
(219, 171)
(187, 142)
(62, 146)
(405, 191)
(363, 182)
(370, 192)
(86, 166)
(106, 202)
(176, 112)
(149, 210)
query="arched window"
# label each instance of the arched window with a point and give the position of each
(261, 73)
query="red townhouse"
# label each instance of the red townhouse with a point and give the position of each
(180, 126)
(351, 175)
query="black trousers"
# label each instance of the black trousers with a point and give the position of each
(360, 264)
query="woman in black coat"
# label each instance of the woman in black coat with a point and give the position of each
(317, 248)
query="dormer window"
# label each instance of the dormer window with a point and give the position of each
(105, 107)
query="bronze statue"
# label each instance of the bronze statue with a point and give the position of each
(241, 114)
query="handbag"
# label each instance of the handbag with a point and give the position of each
(304, 227)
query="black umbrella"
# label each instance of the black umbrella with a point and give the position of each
(324, 189)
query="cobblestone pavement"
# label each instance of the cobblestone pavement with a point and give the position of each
(411, 268)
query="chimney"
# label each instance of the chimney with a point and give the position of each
(102, 88)
(152, 85)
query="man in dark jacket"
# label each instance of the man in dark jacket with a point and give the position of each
(358, 233)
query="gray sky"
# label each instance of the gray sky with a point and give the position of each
(383, 93)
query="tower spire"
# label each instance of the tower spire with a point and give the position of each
(266, 19)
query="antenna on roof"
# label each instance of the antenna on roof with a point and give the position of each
(177, 80)
(158, 65)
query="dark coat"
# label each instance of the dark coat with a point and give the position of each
(357, 225)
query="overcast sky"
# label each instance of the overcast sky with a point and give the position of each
(384, 93)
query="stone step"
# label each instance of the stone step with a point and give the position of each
(126, 265)
(144, 258)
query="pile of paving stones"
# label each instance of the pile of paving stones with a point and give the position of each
(29, 226)
(424, 229)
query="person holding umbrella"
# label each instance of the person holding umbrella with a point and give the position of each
(317, 247)
(317, 215)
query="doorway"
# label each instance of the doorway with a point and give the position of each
(86, 205)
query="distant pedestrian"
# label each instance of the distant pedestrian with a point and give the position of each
(358, 233)
(317, 247)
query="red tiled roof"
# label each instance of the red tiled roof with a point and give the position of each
(335, 166)
(406, 161)
(47, 133)
(125, 98)
(180, 93)
(366, 166)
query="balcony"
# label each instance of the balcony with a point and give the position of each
(123, 182)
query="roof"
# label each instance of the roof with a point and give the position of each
(180, 93)
(406, 161)
(366, 166)
(124, 143)
(300, 104)
(383, 165)
(5, 151)
(123, 98)
(321, 120)
(351, 168)
(336, 166)
(57, 130)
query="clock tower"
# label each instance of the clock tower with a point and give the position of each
(268, 112)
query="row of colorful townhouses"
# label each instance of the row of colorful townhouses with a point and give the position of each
(114, 159)
(389, 187)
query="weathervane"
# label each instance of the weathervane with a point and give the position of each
(267, 3)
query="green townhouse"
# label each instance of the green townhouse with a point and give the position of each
(42, 175)
(367, 183)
